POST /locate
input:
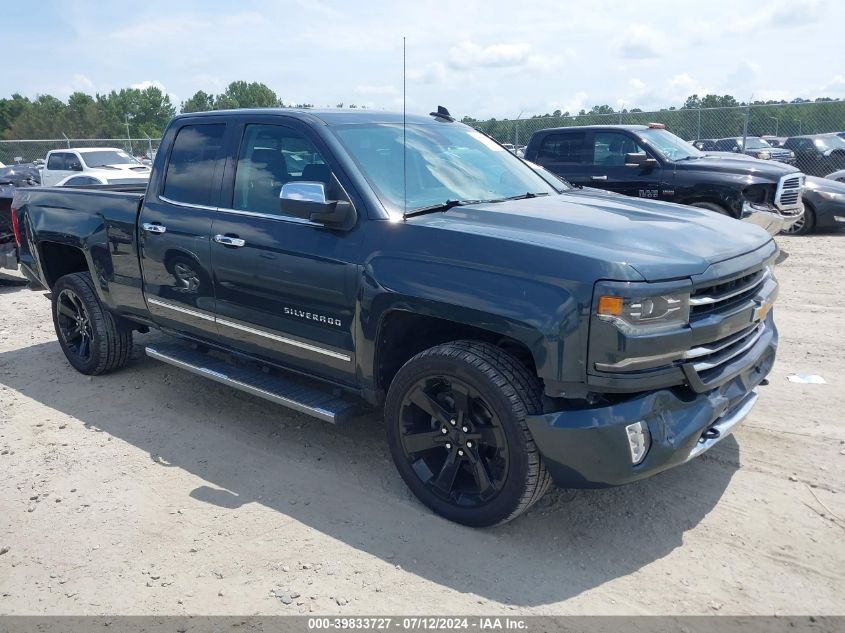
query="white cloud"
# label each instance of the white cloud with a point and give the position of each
(642, 42)
(143, 85)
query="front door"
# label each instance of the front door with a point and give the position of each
(175, 226)
(285, 287)
(567, 154)
(609, 171)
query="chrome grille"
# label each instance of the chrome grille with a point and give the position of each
(713, 355)
(790, 188)
(726, 294)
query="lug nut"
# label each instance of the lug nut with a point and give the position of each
(444, 430)
(453, 422)
(469, 444)
(465, 429)
(448, 445)
(461, 453)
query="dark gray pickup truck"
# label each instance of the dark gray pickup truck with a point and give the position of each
(514, 333)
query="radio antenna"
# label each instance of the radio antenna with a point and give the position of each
(404, 150)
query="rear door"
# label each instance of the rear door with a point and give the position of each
(566, 154)
(608, 169)
(285, 286)
(175, 226)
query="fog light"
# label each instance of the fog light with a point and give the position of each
(836, 218)
(639, 441)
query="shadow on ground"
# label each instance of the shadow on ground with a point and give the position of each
(340, 481)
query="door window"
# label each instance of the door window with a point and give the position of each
(58, 162)
(609, 148)
(567, 149)
(195, 156)
(270, 156)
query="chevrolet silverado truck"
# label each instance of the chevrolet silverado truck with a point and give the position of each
(648, 161)
(512, 332)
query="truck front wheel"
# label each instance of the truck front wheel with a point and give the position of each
(455, 417)
(93, 340)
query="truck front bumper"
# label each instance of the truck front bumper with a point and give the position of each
(589, 448)
(772, 219)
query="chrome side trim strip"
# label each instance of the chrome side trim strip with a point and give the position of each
(725, 425)
(217, 376)
(285, 341)
(171, 306)
(268, 216)
(186, 204)
(697, 301)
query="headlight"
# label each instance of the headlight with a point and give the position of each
(764, 155)
(645, 313)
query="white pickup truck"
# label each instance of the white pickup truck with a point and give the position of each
(93, 165)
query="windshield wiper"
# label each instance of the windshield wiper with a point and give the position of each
(522, 196)
(443, 206)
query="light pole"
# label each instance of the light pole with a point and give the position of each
(777, 123)
(516, 130)
(128, 138)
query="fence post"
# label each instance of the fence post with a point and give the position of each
(67, 140)
(698, 134)
(745, 126)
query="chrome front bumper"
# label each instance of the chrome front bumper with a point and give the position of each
(771, 219)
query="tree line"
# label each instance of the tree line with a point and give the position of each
(141, 113)
(135, 112)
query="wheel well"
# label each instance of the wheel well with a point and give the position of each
(403, 335)
(59, 260)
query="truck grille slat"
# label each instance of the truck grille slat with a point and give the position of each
(789, 191)
(726, 353)
(725, 294)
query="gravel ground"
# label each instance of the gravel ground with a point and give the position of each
(151, 491)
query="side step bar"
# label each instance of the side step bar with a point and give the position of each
(294, 392)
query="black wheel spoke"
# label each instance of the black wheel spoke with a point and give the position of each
(488, 435)
(65, 310)
(482, 477)
(428, 404)
(445, 481)
(418, 442)
(85, 347)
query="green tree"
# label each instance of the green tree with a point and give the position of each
(240, 94)
(11, 109)
(200, 102)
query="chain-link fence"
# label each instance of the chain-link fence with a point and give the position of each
(26, 151)
(776, 120)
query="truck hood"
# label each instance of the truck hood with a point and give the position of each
(659, 240)
(740, 166)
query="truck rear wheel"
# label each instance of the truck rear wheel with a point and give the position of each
(93, 340)
(455, 417)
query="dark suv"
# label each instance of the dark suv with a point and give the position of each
(818, 154)
(648, 161)
(755, 147)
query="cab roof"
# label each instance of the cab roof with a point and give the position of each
(324, 116)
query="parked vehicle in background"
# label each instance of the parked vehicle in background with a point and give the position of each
(756, 148)
(705, 144)
(818, 154)
(837, 175)
(651, 162)
(114, 165)
(8, 244)
(512, 334)
(774, 141)
(824, 206)
(18, 174)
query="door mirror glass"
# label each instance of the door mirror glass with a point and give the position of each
(640, 159)
(307, 200)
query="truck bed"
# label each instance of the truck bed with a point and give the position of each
(100, 221)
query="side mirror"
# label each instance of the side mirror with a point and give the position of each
(641, 160)
(307, 200)
(76, 166)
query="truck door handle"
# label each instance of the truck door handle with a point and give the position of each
(230, 240)
(150, 227)
(599, 177)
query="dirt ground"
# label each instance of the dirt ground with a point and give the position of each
(152, 491)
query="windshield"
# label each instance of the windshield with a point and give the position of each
(755, 143)
(107, 157)
(445, 162)
(668, 145)
(826, 143)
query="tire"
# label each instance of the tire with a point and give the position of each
(712, 206)
(805, 225)
(94, 341)
(476, 398)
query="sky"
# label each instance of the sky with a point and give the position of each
(480, 59)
